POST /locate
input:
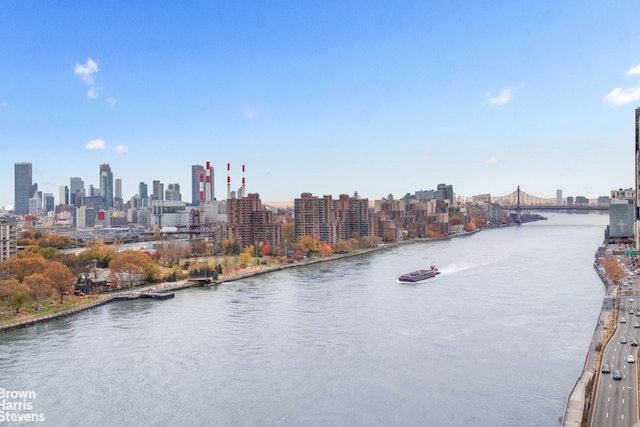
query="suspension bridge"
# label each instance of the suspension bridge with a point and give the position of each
(520, 200)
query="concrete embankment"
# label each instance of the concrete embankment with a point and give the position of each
(578, 403)
(63, 313)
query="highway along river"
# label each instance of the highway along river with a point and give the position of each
(498, 339)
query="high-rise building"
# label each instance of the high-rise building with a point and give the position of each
(158, 190)
(106, 184)
(118, 188)
(249, 223)
(64, 195)
(637, 198)
(621, 213)
(197, 171)
(76, 191)
(8, 239)
(173, 192)
(23, 187)
(143, 193)
(48, 203)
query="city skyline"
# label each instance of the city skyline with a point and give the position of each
(328, 99)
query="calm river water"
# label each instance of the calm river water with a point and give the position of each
(498, 339)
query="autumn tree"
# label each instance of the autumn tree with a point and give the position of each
(39, 287)
(99, 251)
(231, 247)
(199, 248)
(288, 233)
(388, 237)
(455, 220)
(130, 268)
(244, 258)
(25, 264)
(370, 241)
(470, 226)
(7, 288)
(325, 250)
(60, 278)
(612, 269)
(266, 250)
(309, 243)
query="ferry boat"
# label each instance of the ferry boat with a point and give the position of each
(419, 275)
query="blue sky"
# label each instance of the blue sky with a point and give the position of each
(324, 97)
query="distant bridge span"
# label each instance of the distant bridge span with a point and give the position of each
(521, 200)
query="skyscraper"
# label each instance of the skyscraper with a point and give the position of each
(158, 190)
(637, 202)
(106, 184)
(143, 193)
(76, 191)
(118, 188)
(196, 172)
(64, 195)
(23, 187)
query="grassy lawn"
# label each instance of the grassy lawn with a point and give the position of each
(46, 307)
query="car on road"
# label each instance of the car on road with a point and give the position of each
(634, 342)
(617, 375)
(623, 340)
(631, 312)
(605, 368)
(630, 300)
(623, 319)
(631, 359)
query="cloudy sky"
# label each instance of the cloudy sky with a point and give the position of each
(327, 97)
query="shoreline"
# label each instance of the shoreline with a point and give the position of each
(182, 284)
(579, 399)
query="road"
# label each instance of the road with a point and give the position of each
(616, 402)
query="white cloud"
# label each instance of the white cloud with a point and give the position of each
(634, 71)
(620, 96)
(92, 93)
(112, 101)
(502, 98)
(121, 149)
(85, 71)
(492, 160)
(95, 144)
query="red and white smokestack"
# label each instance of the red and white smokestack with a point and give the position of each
(228, 167)
(201, 189)
(207, 188)
(228, 187)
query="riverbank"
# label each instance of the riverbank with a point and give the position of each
(229, 277)
(579, 402)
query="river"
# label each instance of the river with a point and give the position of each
(498, 339)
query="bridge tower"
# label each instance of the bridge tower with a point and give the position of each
(516, 219)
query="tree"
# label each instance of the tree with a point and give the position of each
(266, 250)
(99, 251)
(25, 264)
(288, 232)
(231, 247)
(244, 258)
(60, 278)
(131, 268)
(325, 250)
(470, 226)
(7, 288)
(612, 269)
(19, 296)
(39, 287)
